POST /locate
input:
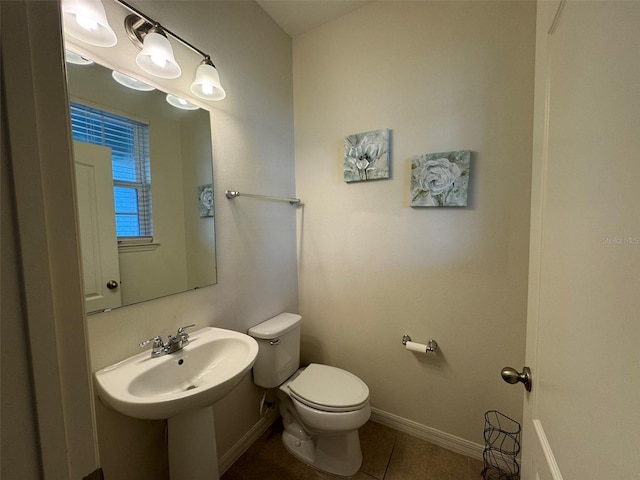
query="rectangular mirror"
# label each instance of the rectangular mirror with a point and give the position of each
(144, 175)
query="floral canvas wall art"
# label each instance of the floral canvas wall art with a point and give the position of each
(366, 156)
(205, 197)
(440, 179)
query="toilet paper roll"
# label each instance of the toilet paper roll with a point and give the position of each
(416, 347)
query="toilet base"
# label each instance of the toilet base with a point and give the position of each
(337, 454)
(321, 442)
(303, 450)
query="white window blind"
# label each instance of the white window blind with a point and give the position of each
(129, 144)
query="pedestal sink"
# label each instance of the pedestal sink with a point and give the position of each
(182, 387)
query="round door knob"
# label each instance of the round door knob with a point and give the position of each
(112, 284)
(511, 375)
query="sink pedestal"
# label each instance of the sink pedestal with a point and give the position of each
(192, 446)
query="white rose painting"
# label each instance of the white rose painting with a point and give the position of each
(205, 197)
(366, 156)
(440, 179)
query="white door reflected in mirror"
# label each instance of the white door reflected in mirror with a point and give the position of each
(98, 245)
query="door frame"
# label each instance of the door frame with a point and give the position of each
(42, 163)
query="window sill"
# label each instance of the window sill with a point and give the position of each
(137, 247)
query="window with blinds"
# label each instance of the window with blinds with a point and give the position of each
(129, 144)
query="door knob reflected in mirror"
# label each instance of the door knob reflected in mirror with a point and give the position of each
(112, 284)
(511, 375)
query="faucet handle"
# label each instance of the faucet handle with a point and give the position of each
(157, 342)
(184, 336)
(182, 329)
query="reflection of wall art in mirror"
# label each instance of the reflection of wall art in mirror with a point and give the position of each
(205, 195)
(366, 156)
(440, 179)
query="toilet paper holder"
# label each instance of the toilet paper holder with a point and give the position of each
(431, 345)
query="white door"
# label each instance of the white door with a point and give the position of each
(96, 216)
(582, 418)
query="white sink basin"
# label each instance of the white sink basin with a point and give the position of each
(197, 376)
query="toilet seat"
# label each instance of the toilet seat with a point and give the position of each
(329, 389)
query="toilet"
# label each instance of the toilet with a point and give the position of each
(322, 407)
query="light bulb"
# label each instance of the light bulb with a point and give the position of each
(207, 88)
(157, 57)
(159, 60)
(206, 83)
(87, 23)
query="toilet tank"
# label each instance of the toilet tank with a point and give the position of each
(279, 349)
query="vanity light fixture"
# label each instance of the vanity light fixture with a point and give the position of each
(181, 103)
(131, 82)
(206, 84)
(73, 57)
(86, 20)
(156, 55)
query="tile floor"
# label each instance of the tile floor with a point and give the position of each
(387, 455)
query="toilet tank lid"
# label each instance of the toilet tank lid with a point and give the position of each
(276, 326)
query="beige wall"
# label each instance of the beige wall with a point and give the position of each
(200, 238)
(442, 76)
(255, 240)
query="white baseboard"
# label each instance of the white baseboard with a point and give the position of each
(247, 440)
(437, 437)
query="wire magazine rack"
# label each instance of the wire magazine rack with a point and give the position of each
(502, 445)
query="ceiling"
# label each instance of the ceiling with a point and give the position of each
(299, 16)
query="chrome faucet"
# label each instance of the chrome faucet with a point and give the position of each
(174, 343)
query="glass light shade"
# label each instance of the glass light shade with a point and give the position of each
(131, 82)
(73, 57)
(206, 84)
(180, 103)
(157, 57)
(86, 20)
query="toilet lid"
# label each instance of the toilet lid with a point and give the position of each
(329, 387)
